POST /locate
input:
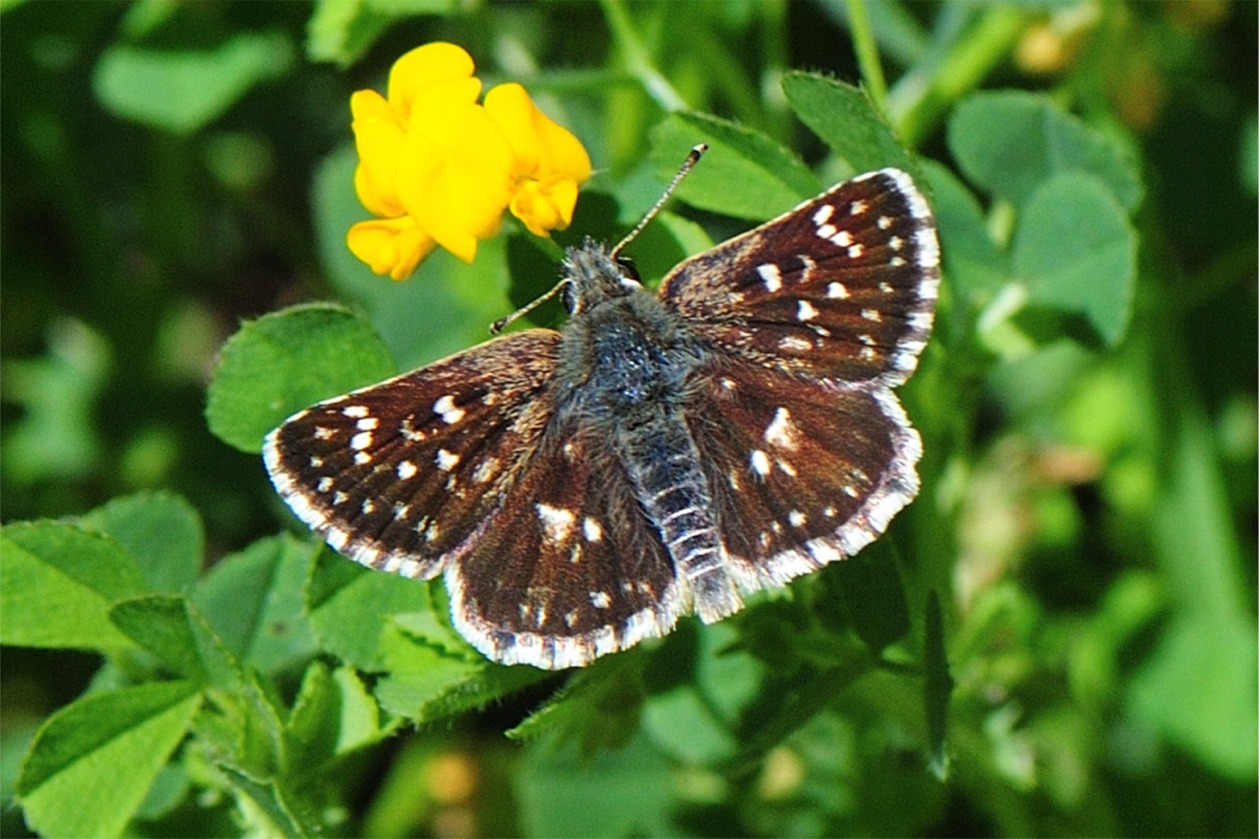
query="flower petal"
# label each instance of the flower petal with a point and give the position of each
(392, 247)
(543, 147)
(457, 191)
(543, 207)
(425, 66)
(378, 138)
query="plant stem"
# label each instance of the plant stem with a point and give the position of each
(639, 63)
(919, 99)
(867, 54)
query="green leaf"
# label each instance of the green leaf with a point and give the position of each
(427, 679)
(1198, 687)
(162, 532)
(1008, 142)
(844, 118)
(1199, 690)
(93, 761)
(351, 608)
(937, 685)
(976, 267)
(254, 601)
(269, 808)
(626, 792)
(875, 595)
(286, 361)
(57, 583)
(243, 729)
(333, 714)
(599, 708)
(434, 687)
(183, 91)
(342, 30)
(1075, 252)
(171, 628)
(56, 435)
(695, 720)
(745, 174)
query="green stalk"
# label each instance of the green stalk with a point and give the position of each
(921, 97)
(867, 54)
(637, 60)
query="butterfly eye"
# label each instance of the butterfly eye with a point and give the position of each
(626, 264)
(569, 297)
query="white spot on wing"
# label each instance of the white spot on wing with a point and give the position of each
(406, 470)
(485, 470)
(792, 343)
(446, 460)
(842, 239)
(760, 462)
(805, 311)
(771, 276)
(781, 432)
(354, 411)
(837, 291)
(591, 530)
(361, 441)
(445, 408)
(557, 523)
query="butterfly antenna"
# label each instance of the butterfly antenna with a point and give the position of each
(502, 323)
(693, 157)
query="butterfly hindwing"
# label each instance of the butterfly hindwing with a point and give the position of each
(569, 568)
(800, 474)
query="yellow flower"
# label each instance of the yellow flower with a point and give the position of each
(437, 168)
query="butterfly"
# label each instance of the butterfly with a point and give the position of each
(662, 454)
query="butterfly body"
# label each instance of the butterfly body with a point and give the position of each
(660, 455)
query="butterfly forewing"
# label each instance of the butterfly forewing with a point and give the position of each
(569, 569)
(800, 474)
(401, 475)
(841, 287)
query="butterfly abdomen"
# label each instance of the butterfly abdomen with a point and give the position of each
(663, 463)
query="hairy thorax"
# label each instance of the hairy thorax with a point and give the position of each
(627, 360)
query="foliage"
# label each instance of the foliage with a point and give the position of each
(1057, 637)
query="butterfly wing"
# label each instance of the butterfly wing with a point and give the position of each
(800, 473)
(842, 287)
(400, 476)
(570, 569)
(807, 451)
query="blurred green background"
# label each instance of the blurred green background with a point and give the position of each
(1090, 512)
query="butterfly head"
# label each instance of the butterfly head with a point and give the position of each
(593, 273)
